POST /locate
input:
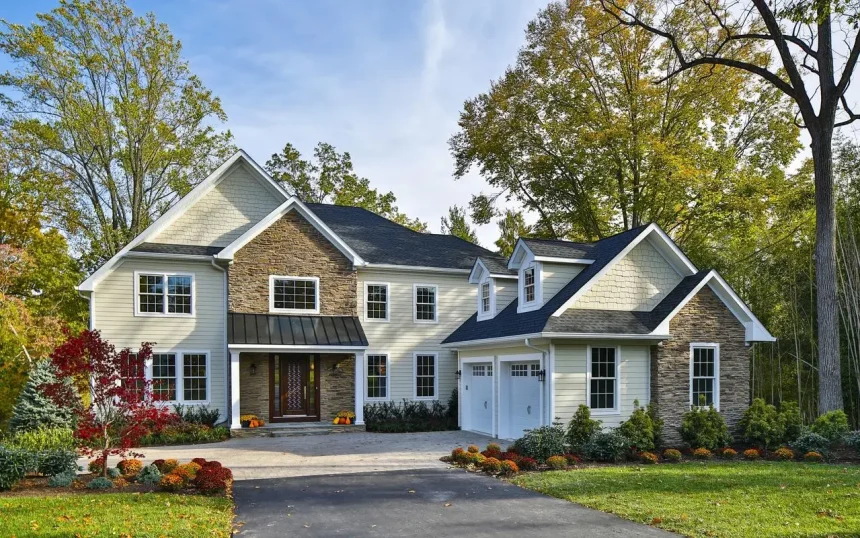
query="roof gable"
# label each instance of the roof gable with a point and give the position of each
(178, 209)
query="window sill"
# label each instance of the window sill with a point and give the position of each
(294, 311)
(426, 399)
(373, 400)
(376, 320)
(425, 322)
(158, 315)
(605, 412)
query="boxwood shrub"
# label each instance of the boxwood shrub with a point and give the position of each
(607, 445)
(409, 416)
(54, 462)
(541, 443)
(14, 465)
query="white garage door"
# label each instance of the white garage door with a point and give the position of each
(478, 397)
(521, 399)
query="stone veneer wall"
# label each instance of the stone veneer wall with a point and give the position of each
(291, 247)
(705, 319)
(337, 385)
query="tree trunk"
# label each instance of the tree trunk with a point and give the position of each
(829, 373)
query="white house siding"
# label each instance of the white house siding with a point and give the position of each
(506, 292)
(556, 276)
(400, 337)
(236, 203)
(639, 281)
(570, 380)
(114, 317)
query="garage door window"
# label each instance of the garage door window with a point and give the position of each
(425, 376)
(603, 380)
(482, 370)
(377, 377)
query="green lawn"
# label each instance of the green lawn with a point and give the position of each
(759, 499)
(116, 514)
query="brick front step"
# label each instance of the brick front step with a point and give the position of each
(296, 430)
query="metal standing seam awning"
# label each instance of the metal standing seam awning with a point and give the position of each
(276, 330)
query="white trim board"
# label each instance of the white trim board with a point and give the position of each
(170, 216)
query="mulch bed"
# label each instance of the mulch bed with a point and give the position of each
(37, 486)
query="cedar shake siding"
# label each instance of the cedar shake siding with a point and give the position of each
(291, 247)
(705, 319)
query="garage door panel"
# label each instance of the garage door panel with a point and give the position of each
(478, 398)
(521, 398)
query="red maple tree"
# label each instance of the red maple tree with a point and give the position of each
(121, 407)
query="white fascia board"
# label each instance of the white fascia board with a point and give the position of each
(505, 275)
(520, 246)
(293, 204)
(682, 261)
(167, 255)
(477, 272)
(165, 220)
(677, 259)
(572, 261)
(417, 268)
(490, 341)
(755, 331)
(552, 335)
(280, 348)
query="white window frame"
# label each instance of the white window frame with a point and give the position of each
(522, 305)
(489, 314)
(435, 356)
(164, 313)
(616, 410)
(387, 303)
(415, 303)
(716, 348)
(180, 375)
(387, 356)
(314, 279)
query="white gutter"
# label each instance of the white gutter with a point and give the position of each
(226, 346)
(574, 336)
(392, 267)
(168, 255)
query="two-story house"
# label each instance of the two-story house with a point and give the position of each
(257, 303)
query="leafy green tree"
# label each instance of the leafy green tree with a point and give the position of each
(330, 178)
(512, 226)
(102, 98)
(457, 224)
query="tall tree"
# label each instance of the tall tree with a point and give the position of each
(512, 226)
(457, 224)
(330, 178)
(789, 45)
(577, 133)
(106, 102)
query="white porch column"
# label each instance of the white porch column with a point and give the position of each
(360, 369)
(235, 410)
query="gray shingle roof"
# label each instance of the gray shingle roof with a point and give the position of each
(560, 249)
(497, 265)
(165, 248)
(378, 240)
(286, 330)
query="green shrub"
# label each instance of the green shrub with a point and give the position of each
(197, 414)
(54, 462)
(100, 483)
(704, 427)
(541, 443)
(34, 409)
(672, 454)
(557, 462)
(14, 465)
(113, 473)
(811, 442)
(580, 428)
(761, 425)
(408, 416)
(43, 439)
(852, 440)
(186, 433)
(149, 475)
(639, 429)
(792, 421)
(62, 480)
(607, 445)
(833, 425)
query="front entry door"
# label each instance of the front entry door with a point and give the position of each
(294, 387)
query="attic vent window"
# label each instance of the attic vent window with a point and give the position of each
(529, 284)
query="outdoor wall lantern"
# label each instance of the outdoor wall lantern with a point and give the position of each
(459, 373)
(542, 376)
(253, 368)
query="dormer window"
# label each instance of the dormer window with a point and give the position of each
(529, 285)
(485, 297)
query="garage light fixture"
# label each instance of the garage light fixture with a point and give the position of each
(459, 373)
(542, 376)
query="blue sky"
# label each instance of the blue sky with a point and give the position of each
(384, 80)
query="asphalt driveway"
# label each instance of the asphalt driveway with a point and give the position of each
(425, 502)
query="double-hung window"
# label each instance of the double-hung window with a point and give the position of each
(292, 294)
(377, 377)
(376, 303)
(180, 377)
(602, 378)
(485, 297)
(529, 285)
(425, 376)
(704, 375)
(425, 303)
(164, 294)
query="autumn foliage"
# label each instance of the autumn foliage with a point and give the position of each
(121, 409)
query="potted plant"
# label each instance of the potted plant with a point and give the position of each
(344, 417)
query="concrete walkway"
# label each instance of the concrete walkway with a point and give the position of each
(342, 453)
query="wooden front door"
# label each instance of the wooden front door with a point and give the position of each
(293, 387)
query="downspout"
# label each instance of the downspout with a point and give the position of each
(91, 307)
(228, 400)
(545, 366)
